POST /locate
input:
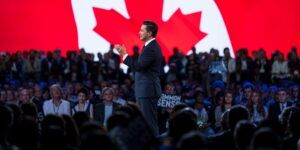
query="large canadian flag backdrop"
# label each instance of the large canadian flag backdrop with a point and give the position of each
(95, 24)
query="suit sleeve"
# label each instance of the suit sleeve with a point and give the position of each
(146, 59)
(99, 113)
(96, 113)
(272, 113)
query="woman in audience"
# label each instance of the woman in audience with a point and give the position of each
(280, 68)
(256, 108)
(228, 103)
(83, 104)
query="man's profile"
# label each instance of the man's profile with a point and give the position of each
(146, 68)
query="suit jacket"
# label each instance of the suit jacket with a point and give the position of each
(99, 111)
(275, 111)
(147, 68)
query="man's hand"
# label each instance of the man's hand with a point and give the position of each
(121, 49)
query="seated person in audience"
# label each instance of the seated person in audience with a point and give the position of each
(192, 140)
(180, 123)
(256, 108)
(245, 93)
(270, 96)
(118, 93)
(243, 133)
(6, 120)
(224, 140)
(279, 106)
(11, 98)
(56, 105)
(280, 68)
(37, 98)
(104, 110)
(24, 96)
(163, 113)
(83, 104)
(284, 118)
(202, 113)
(290, 141)
(219, 110)
(265, 138)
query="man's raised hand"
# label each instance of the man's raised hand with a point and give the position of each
(121, 49)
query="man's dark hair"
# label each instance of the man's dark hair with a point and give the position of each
(181, 122)
(192, 141)
(243, 133)
(151, 27)
(16, 110)
(25, 133)
(80, 118)
(117, 119)
(53, 131)
(71, 132)
(29, 109)
(95, 140)
(236, 114)
(84, 91)
(6, 120)
(265, 138)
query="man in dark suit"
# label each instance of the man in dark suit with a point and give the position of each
(99, 112)
(104, 110)
(146, 68)
(280, 105)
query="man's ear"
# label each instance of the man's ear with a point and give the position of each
(150, 33)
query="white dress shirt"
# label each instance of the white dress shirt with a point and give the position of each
(62, 109)
(283, 106)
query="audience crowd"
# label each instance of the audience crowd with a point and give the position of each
(48, 101)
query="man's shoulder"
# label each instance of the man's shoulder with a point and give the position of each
(101, 104)
(65, 102)
(153, 43)
(47, 102)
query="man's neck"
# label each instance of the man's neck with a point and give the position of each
(107, 102)
(227, 105)
(148, 41)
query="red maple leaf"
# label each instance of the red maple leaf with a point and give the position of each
(180, 30)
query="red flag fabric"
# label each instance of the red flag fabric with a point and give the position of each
(269, 24)
(44, 25)
(50, 24)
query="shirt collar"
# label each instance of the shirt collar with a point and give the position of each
(146, 43)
